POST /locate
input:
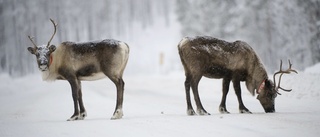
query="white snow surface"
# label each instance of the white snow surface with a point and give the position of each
(154, 106)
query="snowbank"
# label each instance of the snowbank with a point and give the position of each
(313, 69)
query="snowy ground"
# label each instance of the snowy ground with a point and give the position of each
(154, 106)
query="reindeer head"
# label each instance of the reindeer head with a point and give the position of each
(43, 52)
(268, 90)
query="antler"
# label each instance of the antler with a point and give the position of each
(34, 44)
(55, 29)
(281, 72)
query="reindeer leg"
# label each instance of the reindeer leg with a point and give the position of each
(225, 90)
(75, 97)
(194, 85)
(83, 112)
(75, 87)
(118, 113)
(187, 85)
(237, 88)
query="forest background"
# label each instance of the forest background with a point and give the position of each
(276, 29)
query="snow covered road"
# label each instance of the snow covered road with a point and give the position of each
(154, 106)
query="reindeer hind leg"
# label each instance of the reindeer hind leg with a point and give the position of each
(119, 83)
(194, 85)
(187, 85)
(118, 113)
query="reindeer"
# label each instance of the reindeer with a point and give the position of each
(76, 62)
(231, 61)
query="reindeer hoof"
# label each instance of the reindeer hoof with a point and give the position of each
(246, 111)
(80, 116)
(73, 118)
(223, 110)
(117, 114)
(203, 112)
(191, 112)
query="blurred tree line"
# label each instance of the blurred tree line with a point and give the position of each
(276, 29)
(78, 20)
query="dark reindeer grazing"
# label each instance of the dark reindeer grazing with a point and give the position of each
(231, 61)
(76, 62)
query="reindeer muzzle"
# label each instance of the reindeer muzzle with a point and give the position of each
(43, 65)
(270, 110)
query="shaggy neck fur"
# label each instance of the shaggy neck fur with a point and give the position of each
(257, 76)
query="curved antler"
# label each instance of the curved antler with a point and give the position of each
(281, 72)
(55, 30)
(34, 44)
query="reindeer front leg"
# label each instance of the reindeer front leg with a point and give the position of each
(75, 84)
(75, 96)
(225, 90)
(83, 112)
(77, 99)
(237, 89)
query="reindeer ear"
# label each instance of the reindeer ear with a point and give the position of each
(31, 50)
(52, 48)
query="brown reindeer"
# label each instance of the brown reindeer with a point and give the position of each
(231, 61)
(76, 62)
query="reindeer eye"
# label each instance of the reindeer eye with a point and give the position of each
(274, 95)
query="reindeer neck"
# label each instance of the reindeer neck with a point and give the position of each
(260, 76)
(52, 60)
